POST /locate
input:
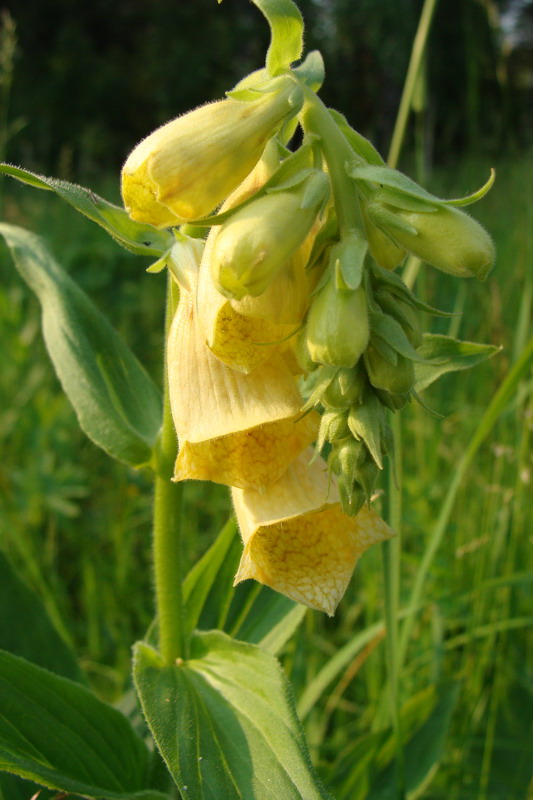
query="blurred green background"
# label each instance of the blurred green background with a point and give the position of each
(80, 84)
(91, 79)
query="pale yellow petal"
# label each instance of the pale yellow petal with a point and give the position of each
(287, 299)
(249, 459)
(241, 342)
(297, 539)
(242, 430)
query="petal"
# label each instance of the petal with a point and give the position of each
(242, 342)
(242, 430)
(249, 459)
(297, 539)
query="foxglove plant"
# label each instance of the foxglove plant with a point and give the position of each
(290, 340)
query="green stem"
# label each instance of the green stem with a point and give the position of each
(391, 572)
(338, 153)
(417, 56)
(167, 528)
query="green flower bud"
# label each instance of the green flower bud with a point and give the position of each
(367, 476)
(347, 456)
(449, 239)
(357, 473)
(393, 401)
(301, 351)
(337, 326)
(184, 169)
(257, 241)
(387, 254)
(346, 388)
(396, 378)
(403, 311)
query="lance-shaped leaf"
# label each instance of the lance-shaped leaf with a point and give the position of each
(402, 188)
(26, 629)
(58, 733)
(361, 146)
(225, 722)
(286, 28)
(141, 239)
(448, 355)
(117, 404)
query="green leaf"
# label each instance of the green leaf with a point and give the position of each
(269, 620)
(311, 70)
(27, 631)
(14, 788)
(286, 28)
(225, 722)
(57, 733)
(361, 146)
(422, 752)
(207, 572)
(117, 404)
(142, 239)
(450, 355)
(392, 179)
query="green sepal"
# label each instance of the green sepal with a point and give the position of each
(387, 221)
(384, 349)
(386, 177)
(311, 71)
(475, 196)
(392, 332)
(403, 201)
(27, 630)
(347, 259)
(366, 422)
(444, 354)
(117, 404)
(396, 285)
(228, 699)
(58, 733)
(361, 146)
(138, 237)
(317, 384)
(286, 29)
(251, 82)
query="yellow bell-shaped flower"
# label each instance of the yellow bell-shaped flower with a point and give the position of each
(241, 430)
(184, 169)
(296, 538)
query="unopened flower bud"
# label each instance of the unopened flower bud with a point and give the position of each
(184, 169)
(333, 427)
(449, 239)
(346, 388)
(383, 249)
(347, 456)
(404, 312)
(393, 401)
(257, 241)
(396, 378)
(357, 473)
(301, 351)
(337, 326)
